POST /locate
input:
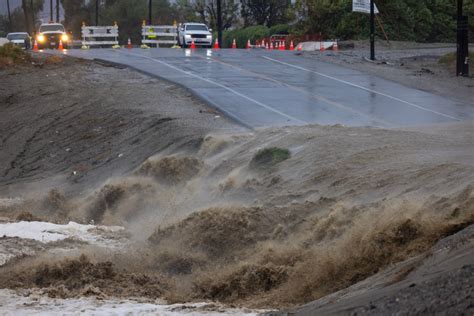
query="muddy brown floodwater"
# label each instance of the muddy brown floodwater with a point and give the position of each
(205, 219)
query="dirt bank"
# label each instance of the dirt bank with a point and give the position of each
(74, 124)
(411, 64)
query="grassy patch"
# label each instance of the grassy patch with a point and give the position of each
(451, 58)
(12, 54)
(270, 157)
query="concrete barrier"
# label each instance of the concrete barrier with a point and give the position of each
(314, 46)
(3, 41)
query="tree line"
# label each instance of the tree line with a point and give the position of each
(411, 20)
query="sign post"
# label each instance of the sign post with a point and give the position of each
(219, 22)
(372, 30)
(462, 61)
(368, 6)
(150, 14)
(96, 12)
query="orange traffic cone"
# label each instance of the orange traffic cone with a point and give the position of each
(216, 44)
(335, 47)
(300, 47)
(234, 44)
(321, 47)
(283, 45)
(129, 44)
(248, 45)
(292, 45)
(193, 45)
(35, 46)
(60, 47)
(263, 44)
(272, 45)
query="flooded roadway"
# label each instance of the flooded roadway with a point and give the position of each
(260, 88)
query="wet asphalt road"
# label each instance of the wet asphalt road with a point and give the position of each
(273, 88)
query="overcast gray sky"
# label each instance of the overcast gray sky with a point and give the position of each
(17, 3)
(13, 4)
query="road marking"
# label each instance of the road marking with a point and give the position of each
(363, 88)
(313, 95)
(269, 108)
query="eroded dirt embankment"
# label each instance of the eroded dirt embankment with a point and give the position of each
(213, 225)
(215, 219)
(73, 124)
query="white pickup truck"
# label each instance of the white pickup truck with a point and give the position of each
(50, 34)
(197, 32)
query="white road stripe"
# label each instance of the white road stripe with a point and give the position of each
(269, 108)
(363, 88)
(311, 94)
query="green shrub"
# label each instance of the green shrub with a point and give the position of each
(280, 29)
(270, 157)
(252, 33)
(13, 52)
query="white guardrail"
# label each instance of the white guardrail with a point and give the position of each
(159, 35)
(100, 35)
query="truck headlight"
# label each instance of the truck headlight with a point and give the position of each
(41, 38)
(64, 38)
(187, 35)
(209, 36)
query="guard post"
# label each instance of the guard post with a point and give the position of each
(462, 60)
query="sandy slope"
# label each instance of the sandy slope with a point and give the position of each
(74, 124)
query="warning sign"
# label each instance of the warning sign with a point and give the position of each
(363, 6)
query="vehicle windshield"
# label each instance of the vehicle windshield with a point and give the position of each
(196, 28)
(19, 36)
(51, 28)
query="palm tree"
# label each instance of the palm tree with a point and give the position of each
(24, 6)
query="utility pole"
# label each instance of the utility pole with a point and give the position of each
(462, 61)
(372, 30)
(150, 13)
(219, 22)
(10, 28)
(96, 12)
(51, 8)
(57, 11)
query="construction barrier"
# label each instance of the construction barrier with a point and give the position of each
(159, 35)
(100, 36)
